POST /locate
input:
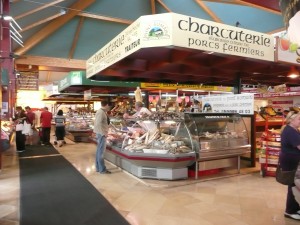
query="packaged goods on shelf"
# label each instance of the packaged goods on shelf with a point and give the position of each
(270, 148)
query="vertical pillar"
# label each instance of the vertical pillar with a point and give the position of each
(7, 61)
(238, 84)
(146, 99)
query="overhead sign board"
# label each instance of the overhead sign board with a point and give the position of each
(121, 46)
(196, 87)
(210, 36)
(28, 81)
(79, 78)
(170, 29)
(239, 103)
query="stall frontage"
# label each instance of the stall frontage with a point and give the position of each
(169, 145)
(168, 47)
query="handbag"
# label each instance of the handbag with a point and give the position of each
(19, 127)
(26, 128)
(285, 177)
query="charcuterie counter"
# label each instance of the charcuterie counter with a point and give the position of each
(164, 146)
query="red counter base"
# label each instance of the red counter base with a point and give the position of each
(191, 173)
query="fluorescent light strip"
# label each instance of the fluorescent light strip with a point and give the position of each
(16, 40)
(132, 94)
(16, 36)
(16, 23)
(169, 95)
(7, 18)
(190, 90)
(15, 30)
(224, 92)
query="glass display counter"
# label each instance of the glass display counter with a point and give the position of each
(79, 128)
(164, 145)
(221, 139)
(158, 146)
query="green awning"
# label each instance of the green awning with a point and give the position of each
(79, 78)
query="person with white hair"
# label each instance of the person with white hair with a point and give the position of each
(141, 111)
(289, 158)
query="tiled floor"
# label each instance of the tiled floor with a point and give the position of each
(244, 199)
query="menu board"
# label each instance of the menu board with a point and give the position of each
(28, 81)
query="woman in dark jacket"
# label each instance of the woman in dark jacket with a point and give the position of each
(60, 121)
(19, 118)
(289, 158)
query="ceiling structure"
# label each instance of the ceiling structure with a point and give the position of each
(59, 36)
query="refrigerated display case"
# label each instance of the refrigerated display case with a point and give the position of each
(164, 145)
(222, 139)
(158, 147)
(79, 128)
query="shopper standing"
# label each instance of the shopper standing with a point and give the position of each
(141, 111)
(101, 130)
(30, 120)
(195, 107)
(19, 119)
(289, 158)
(60, 121)
(46, 118)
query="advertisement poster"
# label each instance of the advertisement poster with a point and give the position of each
(240, 103)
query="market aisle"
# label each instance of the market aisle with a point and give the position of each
(236, 200)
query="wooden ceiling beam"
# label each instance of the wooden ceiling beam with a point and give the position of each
(208, 11)
(152, 2)
(106, 18)
(55, 69)
(53, 26)
(164, 6)
(48, 77)
(37, 9)
(76, 36)
(277, 30)
(52, 62)
(40, 22)
(257, 7)
(244, 2)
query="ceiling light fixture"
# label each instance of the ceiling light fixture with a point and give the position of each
(293, 73)
(14, 33)
(7, 18)
(62, 11)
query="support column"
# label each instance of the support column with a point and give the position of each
(238, 84)
(7, 61)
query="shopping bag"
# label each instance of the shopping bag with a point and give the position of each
(26, 128)
(285, 177)
(19, 127)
